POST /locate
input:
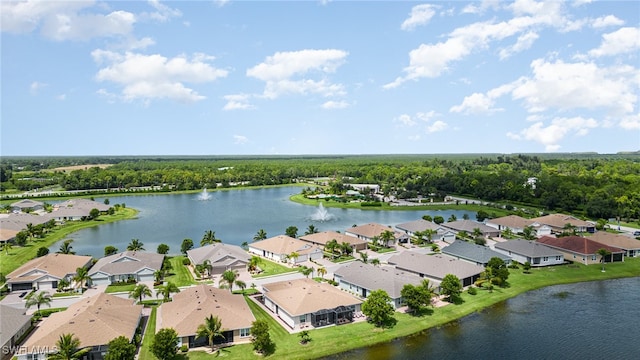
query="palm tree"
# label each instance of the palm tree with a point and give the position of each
(63, 284)
(306, 271)
(69, 348)
(66, 248)
(81, 277)
(158, 275)
(241, 284)
(322, 272)
(211, 329)
(346, 248)
(569, 229)
(386, 237)
(529, 233)
(294, 256)
(603, 254)
(140, 291)
(208, 267)
(31, 230)
(260, 235)
(311, 229)
(38, 299)
(452, 218)
(253, 263)
(507, 233)
(229, 277)
(331, 246)
(6, 246)
(166, 291)
(135, 245)
(477, 233)
(209, 238)
(375, 262)
(364, 257)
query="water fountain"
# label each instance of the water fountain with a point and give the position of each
(204, 195)
(322, 214)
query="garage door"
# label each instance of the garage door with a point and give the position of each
(21, 286)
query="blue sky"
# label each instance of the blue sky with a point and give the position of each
(319, 77)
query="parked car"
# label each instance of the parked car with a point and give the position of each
(636, 233)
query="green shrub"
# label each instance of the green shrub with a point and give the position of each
(186, 261)
(184, 348)
(472, 290)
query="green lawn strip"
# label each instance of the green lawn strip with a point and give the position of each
(150, 331)
(336, 339)
(19, 255)
(65, 294)
(114, 288)
(180, 274)
(270, 268)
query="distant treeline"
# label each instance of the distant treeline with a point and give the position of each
(596, 186)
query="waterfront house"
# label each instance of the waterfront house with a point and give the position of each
(126, 266)
(8, 235)
(441, 233)
(303, 302)
(221, 257)
(517, 224)
(630, 245)
(21, 221)
(26, 205)
(436, 267)
(361, 279)
(14, 323)
(582, 249)
(473, 253)
(44, 273)
(94, 320)
(369, 232)
(189, 308)
(322, 238)
(85, 204)
(537, 254)
(279, 248)
(469, 227)
(558, 222)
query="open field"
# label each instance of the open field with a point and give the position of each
(79, 167)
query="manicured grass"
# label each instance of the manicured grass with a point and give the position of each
(114, 288)
(19, 255)
(270, 268)
(65, 294)
(338, 339)
(180, 274)
(150, 331)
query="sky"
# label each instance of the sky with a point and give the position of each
(318, 77)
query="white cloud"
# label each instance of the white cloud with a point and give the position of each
(405, 120)
(437, 125)
(474, 8)
(524, 43)
(408, 120)
(420, 15)
(606, 21)
(61, 97)
(631, 122)
(163, 13)
(478, 103)
(622, 41)
(335, 105)
(148, 77)
(238, 102)
(290, 72)
(240, 139)
(221, 3)
(551, 135)
(35, 87)
(61, 21)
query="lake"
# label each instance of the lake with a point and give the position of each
(234, 215)
(592, 320)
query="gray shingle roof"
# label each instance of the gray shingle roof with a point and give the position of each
(218, 254)
(128, 262)
(373, 278)
(435, 266)
(527, 248)
(11, 321)
(473, 252)
(418, 225)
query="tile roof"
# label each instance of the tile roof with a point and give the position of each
(188, 309)
(434, 266)
(477, 253)
(26, 204)
(57, 265)
(512, 221)
(127, 262)
(373, 278)
(577, 244)
(84, 204)
(372, 229)
(527, 248)
(560, 220)
(326, 236)
(304, 296)
(616, 240)
(283, 244)
(11, 321)
(469, 226)
(218, 254)
(94, 321)
(419, 225)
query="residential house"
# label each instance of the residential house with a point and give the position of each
(470, 226)
(8, 235)
(14, 323)
(582, 249)
(517, 224)
(95, 321)
(630, 246)
(473, 253)
(365, 188)
(371, 231)
(558, 222)
(361, 279)
(221, 257)
(84, 204)
(279, 248)
(303, 302)
(126, 266)
(21, 221)
(436, 267)
(421, 225)
(27, 205)
(537, 254)
(322, 238)
(43, 273)
(189, 308)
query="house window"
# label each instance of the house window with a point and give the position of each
(593, 257)
(245, 332)
(557, 258)
(303, 318)
(546, 258)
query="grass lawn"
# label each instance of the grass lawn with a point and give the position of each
(114, 288)
(180, 274)
(19, 255)
(270, 268)
(145, 348)
(338, 339)
(64, 294)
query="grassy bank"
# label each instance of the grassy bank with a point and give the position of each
(338, 339)
(19, 255)
(180, 274)
(147, 340)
